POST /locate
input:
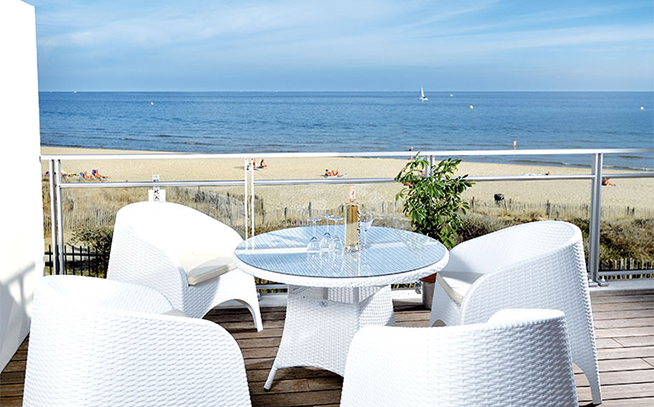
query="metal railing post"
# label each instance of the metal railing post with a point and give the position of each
(53, 219)
(60, 226)
(252, 195)
(245, 196)
(431, 164)
(595, 217)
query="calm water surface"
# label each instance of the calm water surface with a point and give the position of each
(234, 122)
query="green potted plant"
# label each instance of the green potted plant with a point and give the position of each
(432, 200)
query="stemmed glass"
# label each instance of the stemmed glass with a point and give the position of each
(326, 238)
(337, 243)
(366, 219)
(314, 245)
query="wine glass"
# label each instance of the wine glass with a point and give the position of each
(366, 219)
(337, 243)
(314, 245)
(326, 238)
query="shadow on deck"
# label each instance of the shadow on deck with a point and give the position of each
(624, 323)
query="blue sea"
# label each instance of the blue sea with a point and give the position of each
(256, 122)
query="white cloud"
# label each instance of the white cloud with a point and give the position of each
(294, 35)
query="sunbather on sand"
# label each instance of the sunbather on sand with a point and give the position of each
(334, 173)
(64, 174)
(96, 174)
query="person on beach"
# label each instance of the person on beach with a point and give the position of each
(607, 182)
(64, 174)
(262, 164)
(96, 174)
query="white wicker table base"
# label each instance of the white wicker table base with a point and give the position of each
(321, 322)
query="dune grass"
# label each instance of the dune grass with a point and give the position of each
(627, 234)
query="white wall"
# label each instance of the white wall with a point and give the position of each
(21, 208)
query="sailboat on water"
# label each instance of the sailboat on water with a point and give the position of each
(422, 95)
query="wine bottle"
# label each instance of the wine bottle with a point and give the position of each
(352, 223)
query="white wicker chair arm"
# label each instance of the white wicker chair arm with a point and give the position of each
(527, 284)
(135, 259)
(514, 316)
(106, 354)
(179, 360)
(111, 294)
(509, 246)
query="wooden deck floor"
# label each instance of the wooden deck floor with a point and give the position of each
(624, 322)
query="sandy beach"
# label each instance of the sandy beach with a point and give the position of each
(634, 193)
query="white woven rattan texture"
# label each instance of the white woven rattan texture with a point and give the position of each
(148, 236)
(536, 265)
(87, 350)
(499, 363)
(321, 322)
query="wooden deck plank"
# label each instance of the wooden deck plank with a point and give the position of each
(612, 299)
(625, 332)
(599, 316)
(624, 353)
(615, 365)
(640, 402)
(625, 338)
(624, 322)
(623, 306)
(621, 377)
(619, 391)
(636, 341)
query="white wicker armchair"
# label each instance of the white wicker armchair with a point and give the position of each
(518, 358)
(184, 254)
(102, 343)
(534, 265)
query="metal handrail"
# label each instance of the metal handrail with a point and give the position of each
(437, 153)
(249, 182)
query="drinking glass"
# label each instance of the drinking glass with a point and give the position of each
(337, 242)
(314, 245)
(326, 238)
(366, 219)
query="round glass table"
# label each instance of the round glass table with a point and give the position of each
(333, 294)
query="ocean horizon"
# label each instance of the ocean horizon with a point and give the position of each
(332, 121)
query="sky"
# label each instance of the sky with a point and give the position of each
(348, 45)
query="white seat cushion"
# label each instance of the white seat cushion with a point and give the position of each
(456, 284)
(201, 267)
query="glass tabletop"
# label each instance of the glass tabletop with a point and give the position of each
(390, 252)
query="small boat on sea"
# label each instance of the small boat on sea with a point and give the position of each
(422, 95)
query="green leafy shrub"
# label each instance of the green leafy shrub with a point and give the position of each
(96, 237)
(432, 197)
